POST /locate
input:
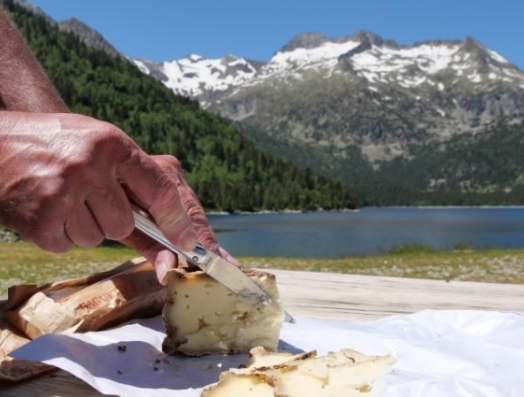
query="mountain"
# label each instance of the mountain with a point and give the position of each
(206, 80)
(84, 33)
(436, 122)
(226, 171)
(88, 36)
(365, 110)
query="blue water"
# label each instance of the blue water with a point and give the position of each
(368, 231)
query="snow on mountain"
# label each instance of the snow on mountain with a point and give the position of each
(379, 64)
(416, 65)
(197, 77)
(364, 54)
(325, 56)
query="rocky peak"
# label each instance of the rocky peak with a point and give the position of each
(367, 38)
(313, 40)
(483, 59)
(367, 41)
(235, 65)
(88, 36)
(472, 46)
(306, 41)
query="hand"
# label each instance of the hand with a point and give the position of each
(165, 259)
(66, 179)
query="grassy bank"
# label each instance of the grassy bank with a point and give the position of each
(25, 263)
(490, 265)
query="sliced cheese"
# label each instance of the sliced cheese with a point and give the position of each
(345, 373)
(241, 385)
(202, 316)
(260, 357)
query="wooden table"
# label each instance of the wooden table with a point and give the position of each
(331, 296)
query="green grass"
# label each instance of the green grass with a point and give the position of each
(26, 263)
(410, 249)
(416, 261)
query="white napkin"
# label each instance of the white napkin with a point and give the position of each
(438, 353)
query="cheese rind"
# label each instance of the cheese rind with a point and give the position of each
(203, 317)
(345, 373)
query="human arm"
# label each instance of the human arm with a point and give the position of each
(81, 163)
(24, 86)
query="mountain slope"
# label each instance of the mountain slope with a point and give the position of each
(364, 110)
(88, 36)
(226, 171)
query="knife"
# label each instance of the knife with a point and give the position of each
(224, 272)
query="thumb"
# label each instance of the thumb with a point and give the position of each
(156, 191)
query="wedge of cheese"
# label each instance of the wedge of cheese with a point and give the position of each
(204, 317)
(345, 373)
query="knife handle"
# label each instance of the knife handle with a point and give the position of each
(146, 225)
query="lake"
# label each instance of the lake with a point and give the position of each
(368, 231)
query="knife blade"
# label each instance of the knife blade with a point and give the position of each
(225, 273)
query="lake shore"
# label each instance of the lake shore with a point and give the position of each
(488, 266)
(285, 211)
(292, 211)
(26, 263)
(370, 231)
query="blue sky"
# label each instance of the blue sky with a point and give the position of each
(162, 30)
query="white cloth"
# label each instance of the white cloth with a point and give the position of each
(438, 353)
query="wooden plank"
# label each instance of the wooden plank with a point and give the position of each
(353, 297)
(331, 296)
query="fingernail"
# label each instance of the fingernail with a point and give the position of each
(233, 261)
(228, 257)
(161, 268)
(188, 239)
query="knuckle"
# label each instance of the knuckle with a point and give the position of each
(168, 162)
(120, 228)
(176, 163)
(39, 221)
(78, 166)
(194, 210)
(48, 191)
(173, 162)
(108, 130)
(112, 141)
(165, 192)
(172, 221)
(111, 211)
